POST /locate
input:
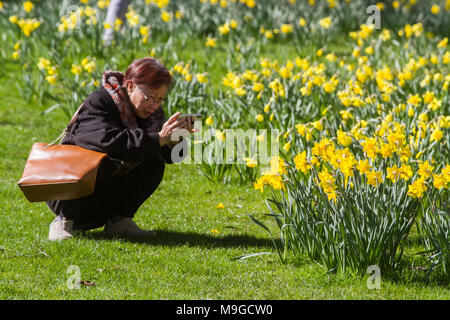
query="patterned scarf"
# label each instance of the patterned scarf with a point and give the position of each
(112, 81)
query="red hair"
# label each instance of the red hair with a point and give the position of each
(148, 71)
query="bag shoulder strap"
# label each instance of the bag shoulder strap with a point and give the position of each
(66, 130)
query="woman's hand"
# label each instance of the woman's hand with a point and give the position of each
(169, 127)
(165, 135)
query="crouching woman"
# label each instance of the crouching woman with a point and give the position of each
(125, 120)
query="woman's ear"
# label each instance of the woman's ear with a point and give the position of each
(129, 85)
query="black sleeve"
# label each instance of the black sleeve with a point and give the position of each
(98, 127)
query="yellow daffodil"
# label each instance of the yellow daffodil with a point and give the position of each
(437, 135)
(417, 188)
(374, 178)
(28, 6)
(370, 147)
(133, 18)
(103, 4)
(435, 9)
(224, 29)
(220, 135)
(443, 43)
(325, 22)
(259, 117)
(364, 166)
(425, 169)
(14, 19)
(210, 42)
(90, 66)
(272, 179)
(287, 28)
(76, 69)
(220, 206)
(251, 163)
(287, 146)
(144, 30)
(258, 87)
(301, 162)
(268, 34)
(440, 181)
(344, 138)
(302, 22)
(201, 77)
(369, 50)
(406, 172)
(52, 79)
(327, 183)
(414, 99)
(43, 63)
(209, 121)
(393, 173)
(166, 16)
(250, 3)
(117, 24)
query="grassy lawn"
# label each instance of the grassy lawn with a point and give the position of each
(191, 258)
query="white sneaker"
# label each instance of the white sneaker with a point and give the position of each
(60, 229)
(126, 227)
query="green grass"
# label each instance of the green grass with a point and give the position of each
(185, 261)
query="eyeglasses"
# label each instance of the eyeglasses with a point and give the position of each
(153, 100)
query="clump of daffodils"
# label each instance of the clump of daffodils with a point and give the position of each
(26, 25)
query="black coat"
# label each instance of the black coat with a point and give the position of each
(98, 127)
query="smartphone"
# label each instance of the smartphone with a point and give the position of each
(194, 116)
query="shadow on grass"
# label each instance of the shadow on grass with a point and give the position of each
(166, 238)
(177, 239)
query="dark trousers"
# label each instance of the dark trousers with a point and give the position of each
(114, 195)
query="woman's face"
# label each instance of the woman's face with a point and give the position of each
(144, 99)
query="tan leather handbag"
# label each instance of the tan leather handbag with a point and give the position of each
(60, 172)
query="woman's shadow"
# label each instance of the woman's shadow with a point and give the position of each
(177, 239)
